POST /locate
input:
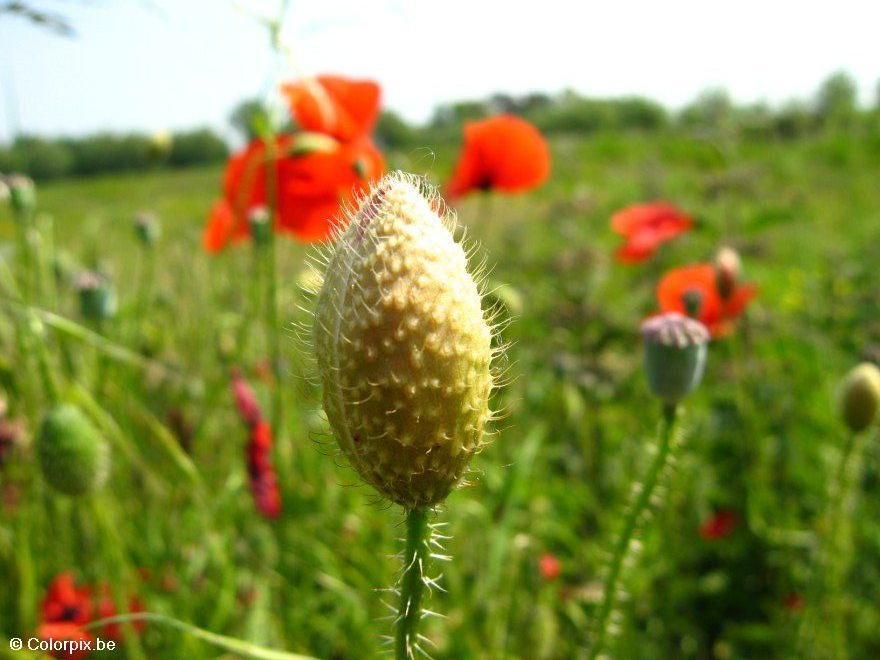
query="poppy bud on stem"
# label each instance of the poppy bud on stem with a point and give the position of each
(404, 353)
(675, 357)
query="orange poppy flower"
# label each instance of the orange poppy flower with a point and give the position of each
(310, 185)
(645, 226)
(697, 285)
(344, 108)
(503, 153)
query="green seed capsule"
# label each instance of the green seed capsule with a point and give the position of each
(675, 355)
(73, 455)
(860, 397)
(403, 346)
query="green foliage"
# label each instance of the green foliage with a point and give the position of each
(196, 147)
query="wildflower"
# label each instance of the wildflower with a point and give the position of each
(73, 455)
(860, 397)
(675, 354)
(645, 226)
(147, 227)
(312, 179)
(502, 153)
(550, 567)
(719, 525)
(56, 634)
(264, 483)
(341, 107)
(245, 400)
(403, 346)
(699, 283)
(97, 296)
(65, 602)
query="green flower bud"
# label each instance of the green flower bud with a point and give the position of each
(22, 194)
(675, 355)
(403, 345)
(860, 396)
(73, 455)
(260, 225)
(97, 297)
(147, 227)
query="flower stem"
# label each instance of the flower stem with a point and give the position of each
(412, 583)
(632, 519)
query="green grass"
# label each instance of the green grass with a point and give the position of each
(762, 434)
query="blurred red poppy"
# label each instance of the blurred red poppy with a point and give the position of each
(503, 153)
(720, 525)
(58, 633)
(550, 567)
(342, 107)
(645, 226)
(312, 183)
(66, 602)
(264, 482)
(245, 400)
(693, 290)
(794, 602)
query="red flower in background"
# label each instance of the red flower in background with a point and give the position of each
(312, 181)
(65, 602)
(720, 525)
(693, 290)
(245, 399)
(503, 153)
(341, 107)
(65, 631)
(549, 566)
(106, 608)
(645, 226)
(264, 483)
(794, 602)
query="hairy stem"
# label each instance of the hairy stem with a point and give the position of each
(631, 523)
(412, 584)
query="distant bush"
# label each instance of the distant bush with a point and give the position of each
(195, 147)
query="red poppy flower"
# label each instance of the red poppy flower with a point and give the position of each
(720, 525)
(106, 608)
(503, 153)
(311, 186)
(697, 285)
(246, 400)
(344, 108)
(58, 633)
(550, 567)
(65, 602)
(645, 227)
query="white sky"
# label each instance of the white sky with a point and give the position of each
(166, 64)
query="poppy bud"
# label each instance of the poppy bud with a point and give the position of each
(675, 354)
(860, 396)
(728, 268)
(260, 225)
(97, 299)
(147, 227)
(403, 346)
(73, 456)
(22, 194)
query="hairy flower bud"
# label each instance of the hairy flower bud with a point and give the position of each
(403, 346)
(260, 224)
(860, 396)
(728, 268)
(73, 455)
(675, 354)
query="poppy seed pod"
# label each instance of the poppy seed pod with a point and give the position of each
(403, 346)
(147, 227)
(73, 455)
(97, 299)
(860, 396)
(675, 354)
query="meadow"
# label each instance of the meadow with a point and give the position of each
(530, 534)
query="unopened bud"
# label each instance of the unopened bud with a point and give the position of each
(22, 194)
(74, 457)
(675, 354)
(728, 268)
(260, 225)
(97, 297)
(860, 396)
(147, 227)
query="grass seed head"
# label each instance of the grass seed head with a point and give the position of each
(73, 455)
(675, 354)
(403, 346)
(860, 397)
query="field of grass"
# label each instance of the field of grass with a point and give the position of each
(176, 524)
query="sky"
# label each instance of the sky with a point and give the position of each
(156, 65)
